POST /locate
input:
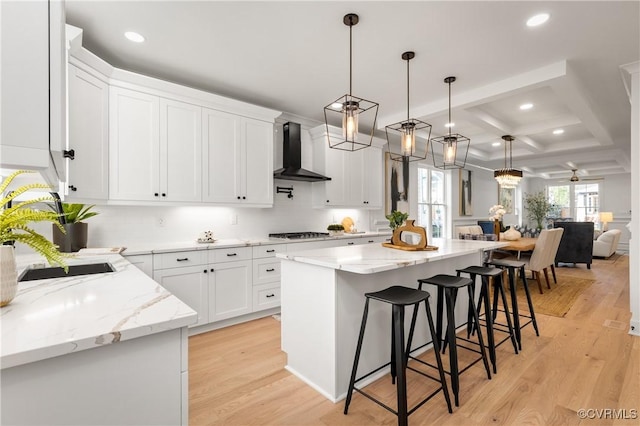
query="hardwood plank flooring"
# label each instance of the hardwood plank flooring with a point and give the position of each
(586, 360)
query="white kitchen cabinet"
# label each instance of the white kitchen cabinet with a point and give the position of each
(189, 284)
(230, 290)
(144, 262)
(155, 148)
(33, 86)
(356, 177)
(134, 145)
(88, 172)
(237, 159)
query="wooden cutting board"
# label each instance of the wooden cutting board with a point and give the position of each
(410, 248)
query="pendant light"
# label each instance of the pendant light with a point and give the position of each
(413, 134)
(350, 111)
(452, 148)
(508, 177)
(574, 176)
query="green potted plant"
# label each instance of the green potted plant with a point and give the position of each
(396, 219)
(538, 207)
(72, 220)
(335, 229)
(15, 219)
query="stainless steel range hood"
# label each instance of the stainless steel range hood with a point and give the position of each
(291, 158)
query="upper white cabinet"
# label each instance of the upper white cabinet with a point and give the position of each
(237, 160)
(155, 148)
(356, 177)
(88, 172)
(33, 77)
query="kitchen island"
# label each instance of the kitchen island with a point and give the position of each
(94, 349)
(323, 299)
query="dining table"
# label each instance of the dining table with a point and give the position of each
(520, 245)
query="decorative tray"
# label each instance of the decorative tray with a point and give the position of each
(410, 248)
(205, 240)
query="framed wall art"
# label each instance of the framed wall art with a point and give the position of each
(396, 183)
(465, 202)
(506, 197)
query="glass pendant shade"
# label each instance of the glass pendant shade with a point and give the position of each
(350, 112)
(450, 151)
(508, 177)
(408, 140)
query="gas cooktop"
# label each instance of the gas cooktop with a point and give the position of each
(299, 235)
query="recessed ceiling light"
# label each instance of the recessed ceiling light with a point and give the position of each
(536, 20)
(134, 36)
(558, 131)
(336, 105)
(526, 106)
(449, 124)
(496, 144)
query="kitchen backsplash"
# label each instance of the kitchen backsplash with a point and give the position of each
(132, 225)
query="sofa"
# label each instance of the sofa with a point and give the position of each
(576, 245)
(607, 243)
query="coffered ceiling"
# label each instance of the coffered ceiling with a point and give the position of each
(293, 57)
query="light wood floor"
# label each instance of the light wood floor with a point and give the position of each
(586, 360)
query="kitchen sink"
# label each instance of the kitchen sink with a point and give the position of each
(58, 272)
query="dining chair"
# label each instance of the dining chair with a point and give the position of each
(543, 256)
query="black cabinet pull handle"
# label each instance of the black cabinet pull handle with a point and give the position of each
(205, 271)
(370, 241)
(271, 295)
(71, 154)
(270, 270)
(244, 198)
(270, 251)
(350, 244)
(155, 194)
(238, 197)
(232, 254)
(213, 270)
(182, 259)
(73, 188)
(164, 195)
(327, 201)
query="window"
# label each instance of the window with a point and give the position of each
(432, 207)
(578, 201)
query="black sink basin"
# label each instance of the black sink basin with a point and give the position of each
(58, 272)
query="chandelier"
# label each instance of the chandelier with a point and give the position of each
(452, 148)
(411, 147)
(347, 110)
(508, 177)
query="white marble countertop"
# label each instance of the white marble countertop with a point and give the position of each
(373, 258)
(226, 243)
(59, 316)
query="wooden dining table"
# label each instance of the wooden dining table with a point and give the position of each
(523, 244)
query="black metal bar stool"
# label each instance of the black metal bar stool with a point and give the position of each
(495, 276)
(398, 297)
(511, 266)
(448, 286)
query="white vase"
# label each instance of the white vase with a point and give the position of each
(8, 275)
(511, 234)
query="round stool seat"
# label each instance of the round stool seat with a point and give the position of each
(397, 295)
(446, 281)
(507, 263)
(481, 270)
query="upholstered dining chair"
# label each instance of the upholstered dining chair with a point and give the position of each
(543, 256)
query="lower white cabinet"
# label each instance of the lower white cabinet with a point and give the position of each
(230, 293)
(144, 262)
(189, 284)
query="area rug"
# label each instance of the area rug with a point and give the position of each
(555, 301)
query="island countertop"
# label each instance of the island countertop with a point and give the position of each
(373, 258)
(60, 316)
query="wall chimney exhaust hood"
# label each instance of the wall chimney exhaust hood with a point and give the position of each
(291, 157)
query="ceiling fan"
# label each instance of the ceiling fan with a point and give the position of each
(575, 178)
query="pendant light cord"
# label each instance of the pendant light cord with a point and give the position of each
(450, 109)
(350, 57)
(408, 90)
